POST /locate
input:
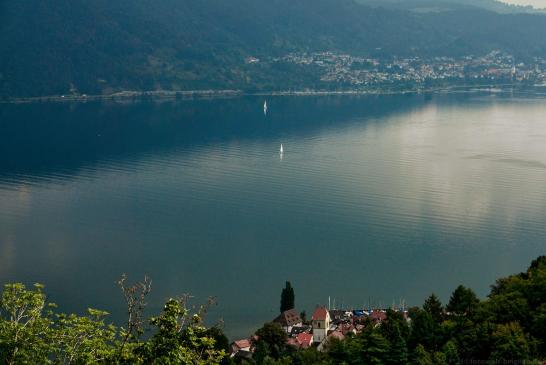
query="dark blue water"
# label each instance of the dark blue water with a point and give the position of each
(375, 199)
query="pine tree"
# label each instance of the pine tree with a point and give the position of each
(463, 301)
(423, 330)
(421, 356)
(398, 351)
(370, 347)
(287, 298)
(434, 307)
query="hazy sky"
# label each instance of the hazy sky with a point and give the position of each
(535, 3)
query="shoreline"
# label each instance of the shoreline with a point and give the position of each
(216, 94)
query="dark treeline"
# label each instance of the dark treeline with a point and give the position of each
(507, 327)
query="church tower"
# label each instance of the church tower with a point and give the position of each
(321, 324)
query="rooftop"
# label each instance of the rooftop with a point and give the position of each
(320, 314)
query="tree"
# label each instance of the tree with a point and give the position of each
(423, 330)
(221, 342)
(271, 340)
(434, 307)
(538, 328)
(337, 350)
(270, 361)
(439, 358)
(394, 324)
(180, 337)
(83, 340)
(311, 357)
(303, 316)
(510, 343)
(421, 356)
(521, 298)
(396, 330)
(25, 333)
(463, 301)
(474, 339)
(398, 350)
(30, 332)
(287, 298)
(370, 347)
(450, 352)
(506, 307)
(135, 299)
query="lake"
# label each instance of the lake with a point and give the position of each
(375, 199)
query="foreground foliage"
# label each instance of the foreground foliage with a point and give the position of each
(508, 327)
(32, 332)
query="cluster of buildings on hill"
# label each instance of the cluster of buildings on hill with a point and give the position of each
(324, 325)
(355, 71)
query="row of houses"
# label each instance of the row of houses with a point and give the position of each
(324, 325)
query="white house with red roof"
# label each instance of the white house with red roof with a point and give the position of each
(288, 320)
(321, 324)
(241, 346)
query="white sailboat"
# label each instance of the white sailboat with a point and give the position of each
(282, 149)
(265, 107)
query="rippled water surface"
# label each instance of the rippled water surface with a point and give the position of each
(375, 199)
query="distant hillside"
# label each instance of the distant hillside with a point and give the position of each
(100, 46)
(450, 5)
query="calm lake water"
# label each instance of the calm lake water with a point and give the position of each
(375, 199)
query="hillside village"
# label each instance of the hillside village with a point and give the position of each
(364, 72)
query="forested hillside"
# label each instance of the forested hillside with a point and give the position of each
(101, 46)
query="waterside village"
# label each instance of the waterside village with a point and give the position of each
(365, 72)
(324, 325)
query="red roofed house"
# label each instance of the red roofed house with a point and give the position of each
(321, 324)
(378, 316)
(240, 346)
(301, 341)
(289, 319)
(305, 340)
